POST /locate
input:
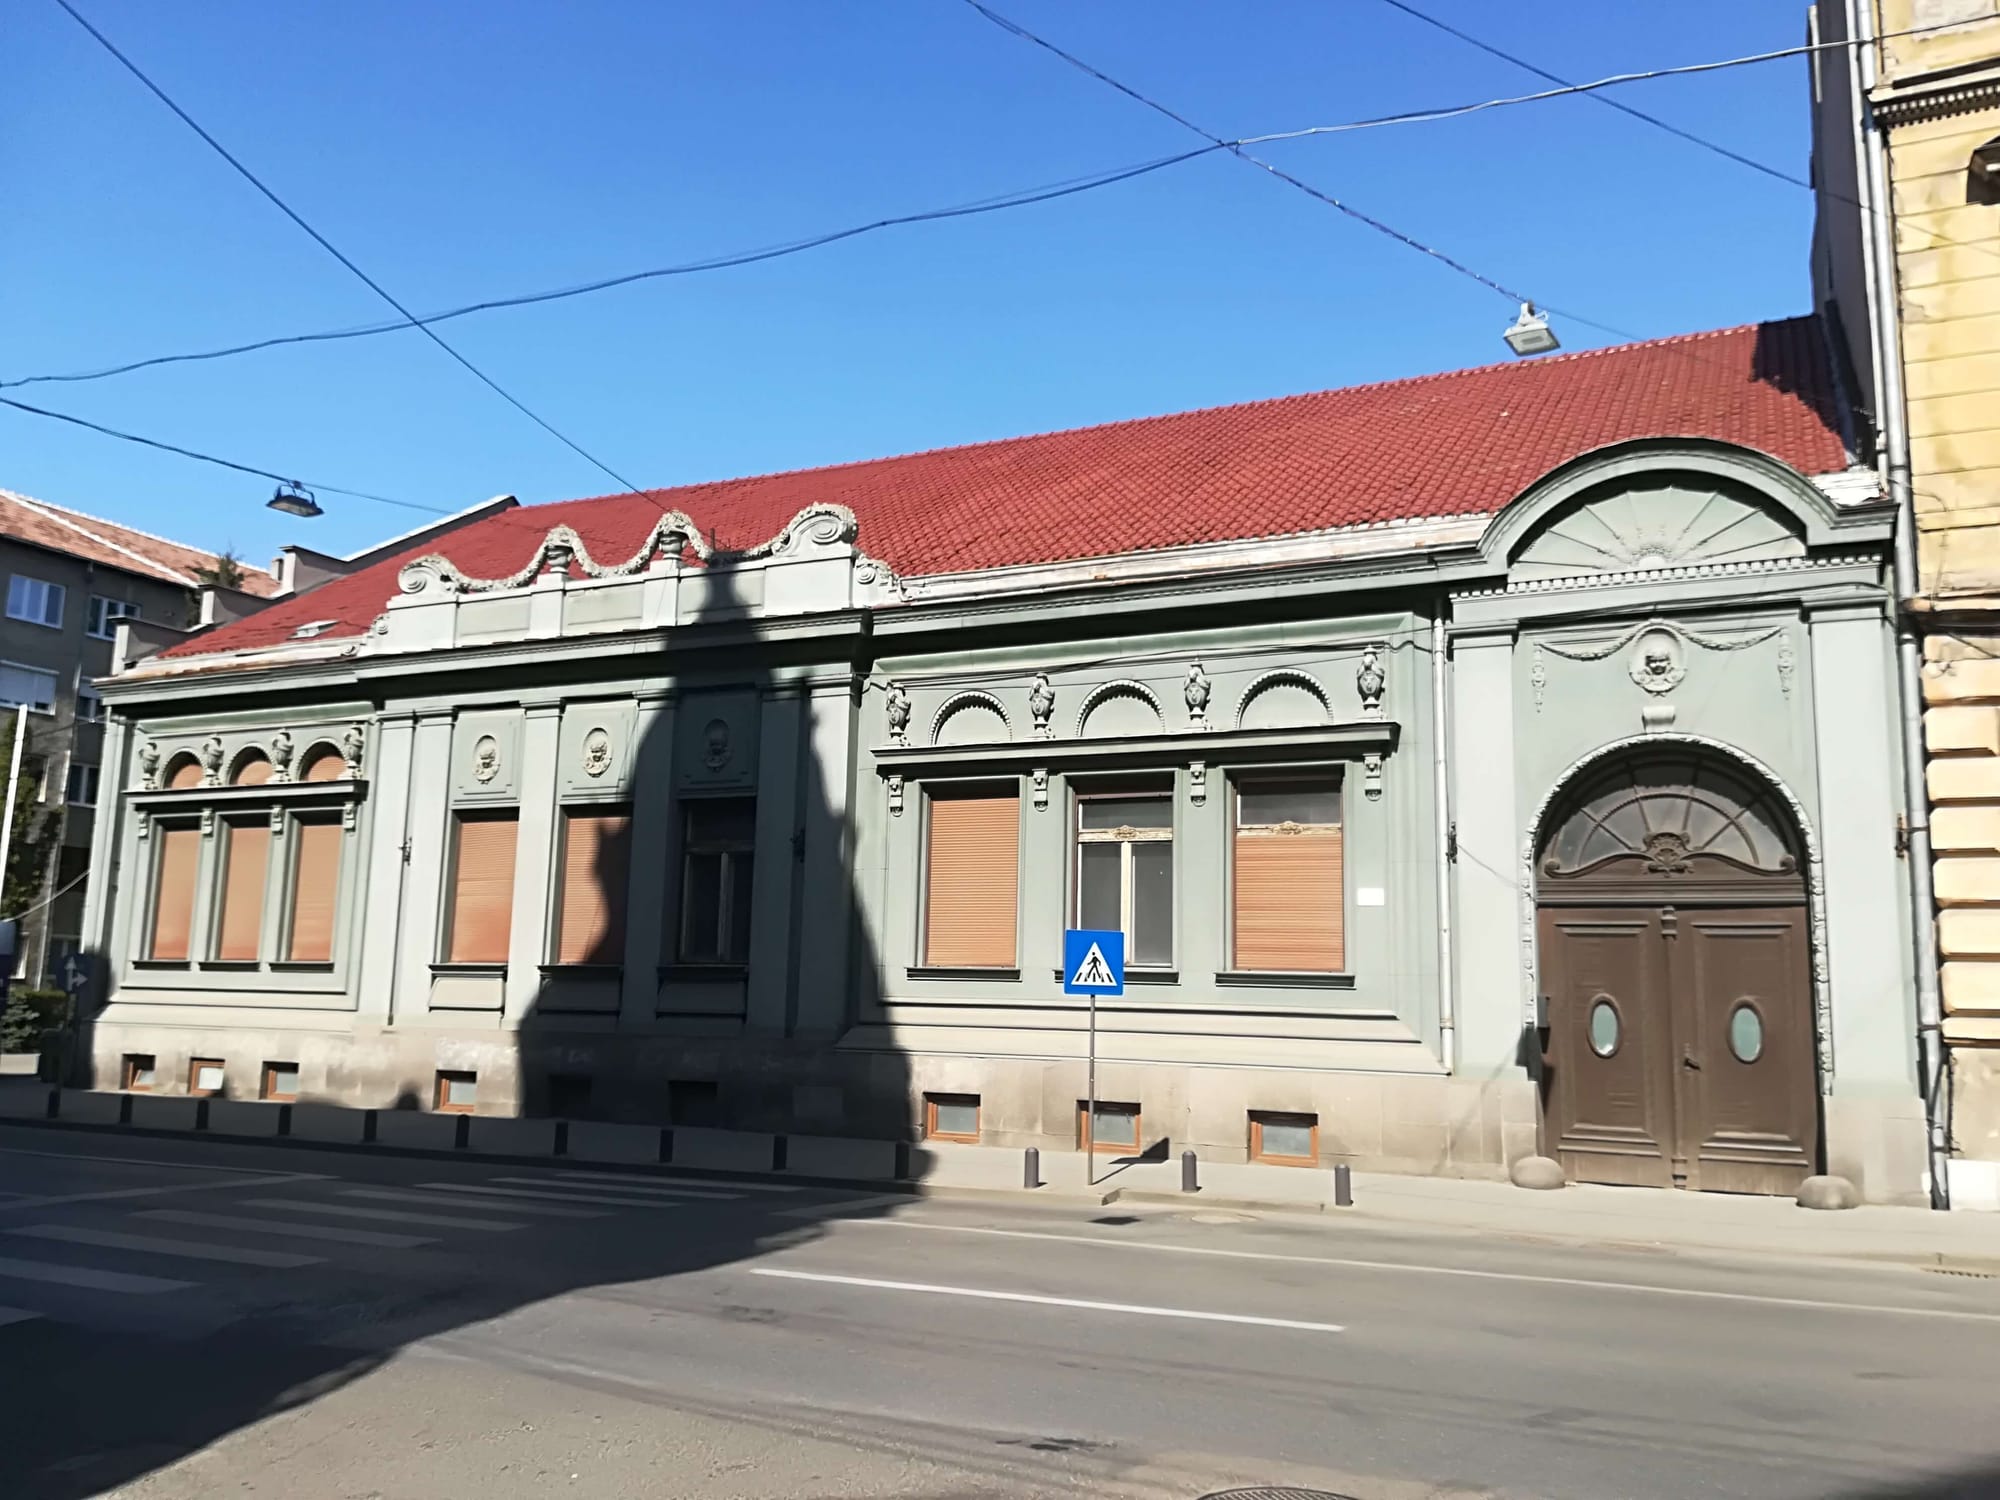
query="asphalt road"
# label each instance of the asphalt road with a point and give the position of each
(188, 1319)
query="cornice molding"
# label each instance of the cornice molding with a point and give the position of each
(1913, 104)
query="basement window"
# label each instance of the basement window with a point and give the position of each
(281, 1081)
(1115, 1127)
(205, 1076)
(138, 1071)
(1285, 1140)
(457, 1093)
(951, 1117)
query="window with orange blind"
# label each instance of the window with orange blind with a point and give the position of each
(597, 847)
(971, 870)
(245, 863)
(174, 870)
(315, 890)
(480, 917)
(1286, 885)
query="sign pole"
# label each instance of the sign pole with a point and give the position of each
(1090, 1104)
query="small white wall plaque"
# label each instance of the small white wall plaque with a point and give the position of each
(1371, 895)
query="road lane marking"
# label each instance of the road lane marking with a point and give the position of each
(987, 1295)
(391, 1215)
(635, 1179)
(331, 1233)
(408, 1195)
(84, 1276)
(542, 1196)
(145, 1161)
(572, 1189)
(53, 1200)
(1416, 1270)
(153, 1244)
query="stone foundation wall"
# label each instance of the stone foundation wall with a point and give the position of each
(1426, 1124)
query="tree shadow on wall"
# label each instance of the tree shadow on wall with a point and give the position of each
(135, 1384)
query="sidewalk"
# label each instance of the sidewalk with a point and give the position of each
(1962, 1243)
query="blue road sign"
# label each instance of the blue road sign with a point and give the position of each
(75, 972)
(1093, 962)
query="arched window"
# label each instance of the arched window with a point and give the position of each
(1668, 815)
(183, 773)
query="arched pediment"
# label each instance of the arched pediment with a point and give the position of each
(1120, 708)
(1284, 699)
(971, 719)
(1661, 506)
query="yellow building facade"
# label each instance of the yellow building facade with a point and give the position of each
(1906, 268)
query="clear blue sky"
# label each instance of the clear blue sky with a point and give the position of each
(460, 150)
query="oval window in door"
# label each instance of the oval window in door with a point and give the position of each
(1604, 1027)
(1746, 1033)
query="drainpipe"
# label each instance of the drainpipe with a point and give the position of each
(1447, 1011)
(1892, 419)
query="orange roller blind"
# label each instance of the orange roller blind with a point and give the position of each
(256, 772)
(173, 891)
(315, 888)
(1288, 900)
(249, 850)
(970, 900)
(324, 765)
(596, 849)
(482, 892)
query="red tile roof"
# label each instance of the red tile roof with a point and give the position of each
(111, 545)
(1461, 443)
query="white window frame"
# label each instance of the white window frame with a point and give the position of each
(1125, 838)
(52, 594)
(99, 623)
(55, 686)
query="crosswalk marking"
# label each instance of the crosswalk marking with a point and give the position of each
(16, 1315)
(333, 1234)
(395, 1215)
(546, 1195)
(235, 1254)
(403, 1195)
(630, 1190)
(635, 1179)
(84, 1276)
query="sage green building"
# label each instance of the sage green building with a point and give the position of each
(1496, 764)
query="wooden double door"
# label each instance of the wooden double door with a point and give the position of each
(1676, 972)
(1679, 1050)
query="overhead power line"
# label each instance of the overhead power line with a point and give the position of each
(1020, 198)
(1235, 149)
(210, 458)
(327, 245)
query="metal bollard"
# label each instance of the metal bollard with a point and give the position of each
(1188, 1183)
(1343, 1187)
(1031, 1168)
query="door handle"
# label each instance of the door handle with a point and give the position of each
(1689, 1060)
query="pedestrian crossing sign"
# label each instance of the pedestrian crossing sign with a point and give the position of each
(1093, 962)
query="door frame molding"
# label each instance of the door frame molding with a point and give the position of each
(1815, 878)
